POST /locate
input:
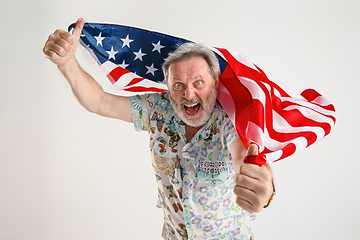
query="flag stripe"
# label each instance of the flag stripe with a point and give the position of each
(144, 89)
(116, 73)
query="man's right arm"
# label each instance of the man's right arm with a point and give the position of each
(60, 48)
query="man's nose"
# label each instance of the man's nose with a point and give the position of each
(189, 93)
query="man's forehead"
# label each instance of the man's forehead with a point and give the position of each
(179, 78)
(190, 68)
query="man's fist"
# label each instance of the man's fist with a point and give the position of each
(254, 185)
(61, 45)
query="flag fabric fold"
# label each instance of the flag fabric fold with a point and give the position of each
(263, 111)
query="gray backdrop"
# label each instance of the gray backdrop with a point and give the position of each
(69, 174)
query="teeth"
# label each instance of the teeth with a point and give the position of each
(191, 105)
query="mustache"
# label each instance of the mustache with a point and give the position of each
(194, 100)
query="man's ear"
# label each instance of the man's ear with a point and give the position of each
(217, 83)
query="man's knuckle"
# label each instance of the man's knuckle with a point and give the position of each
(236, 178)
(52, 37)
(50, 54)
(237, 190)
(263, 189)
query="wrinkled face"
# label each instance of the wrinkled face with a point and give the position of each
(192, 90)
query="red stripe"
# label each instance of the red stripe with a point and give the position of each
(311, 95)
(134, 81)
(116, 73)
(144, 89)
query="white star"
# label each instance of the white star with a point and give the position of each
(139, 55)
(151, 69)
(124, 65)
(126, 41)
(99, 39)
(112, 53)
(157, 47)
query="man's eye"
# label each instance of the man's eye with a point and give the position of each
(178, 85)
(198, 83)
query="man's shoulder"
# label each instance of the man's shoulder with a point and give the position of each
(160, 102)
(160, 99)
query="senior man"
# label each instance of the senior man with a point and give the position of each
(204, 188)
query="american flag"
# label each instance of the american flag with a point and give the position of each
(263, 111)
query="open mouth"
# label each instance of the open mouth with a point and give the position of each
(192, 108)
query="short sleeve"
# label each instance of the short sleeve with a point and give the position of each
(142, 107)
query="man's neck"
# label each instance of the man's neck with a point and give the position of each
(190, 132)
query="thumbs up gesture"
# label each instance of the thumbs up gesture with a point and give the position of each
(254, 186)
(61, 45)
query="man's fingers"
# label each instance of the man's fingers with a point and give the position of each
(245, 182)
(56, 46)
(247, 205)
(251, 192)
(247, 199)
(64, 40)
(253, 171)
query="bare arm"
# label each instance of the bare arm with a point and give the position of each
(60, 48)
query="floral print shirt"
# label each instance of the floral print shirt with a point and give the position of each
(194, 179)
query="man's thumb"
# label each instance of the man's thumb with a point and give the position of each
(253, 157)
(252, 150)
(78, 28)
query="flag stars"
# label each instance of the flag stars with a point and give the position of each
(139, 55)
(124, 65)
(151, 69)
(99, 39)
(126, 41)
(112, 53)
(157, 47)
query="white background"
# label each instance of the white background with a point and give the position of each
(69, 174)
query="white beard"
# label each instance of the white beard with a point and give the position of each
(207, 109)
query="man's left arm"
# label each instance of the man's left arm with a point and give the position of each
(254, 184)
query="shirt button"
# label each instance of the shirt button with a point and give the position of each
(185, 154)
(205, 135)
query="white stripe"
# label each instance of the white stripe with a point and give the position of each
(321, 101)
(254, 89)
(282, 126)
(273, 156)
(108, 66)
(308, 107)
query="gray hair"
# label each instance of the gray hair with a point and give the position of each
(188, 50)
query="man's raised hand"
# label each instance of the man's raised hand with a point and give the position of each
(253, 187)
(61, 45)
